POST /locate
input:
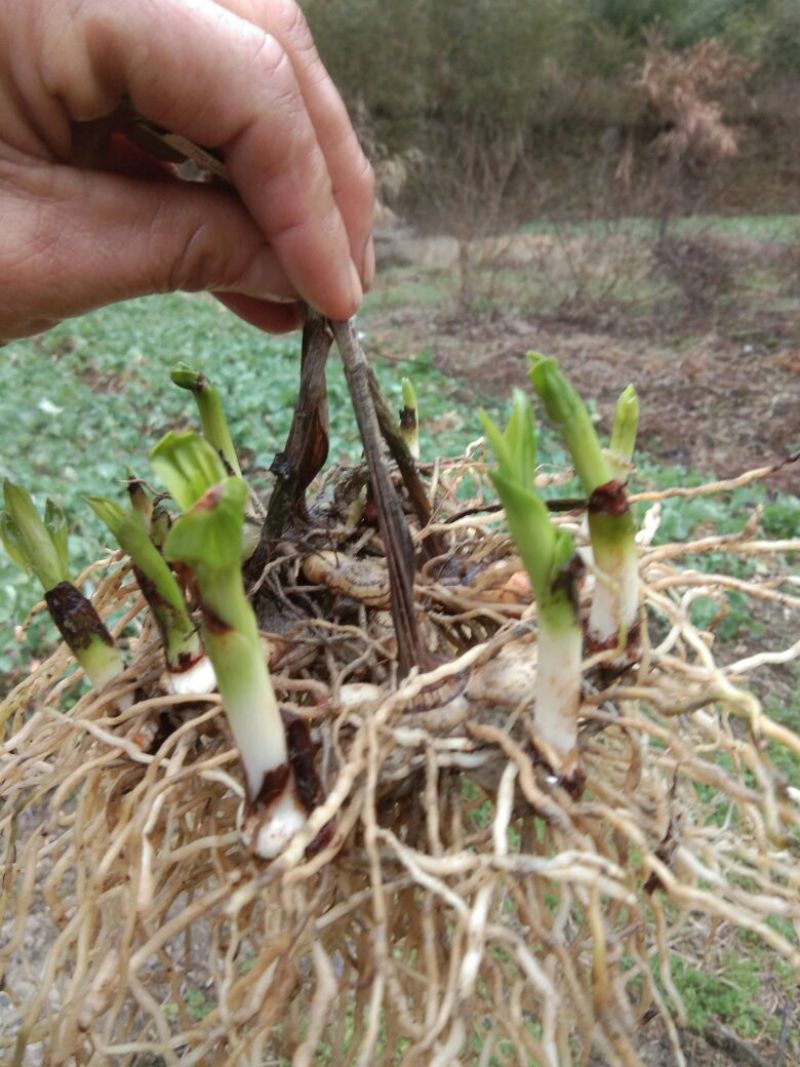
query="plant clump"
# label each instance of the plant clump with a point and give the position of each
(335, 857)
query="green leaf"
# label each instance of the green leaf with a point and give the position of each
(211, 411)
(188, 465)
(560, 399)
(108, 511)
(209, 535)
(55, 522)
(13, 542)
(496, 440)
(530, 527)
(27, 538)
(186, 377)
(521, 437)
(568, 411)
(625, 425)
(563, 550)
(515, 447)
(409, 393)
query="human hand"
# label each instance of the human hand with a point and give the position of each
(86, 219)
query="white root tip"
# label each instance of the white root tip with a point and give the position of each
(558, 695)
(196, 680)
(267, 833)
(359, 698)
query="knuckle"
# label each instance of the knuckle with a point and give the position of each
(269, 54)
(289, 23)
(291, 28)
(360, 182)
(296, 25)
(270, 57)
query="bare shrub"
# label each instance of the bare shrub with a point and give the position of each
(684, 92)
(683, 95)
(470, 170)
(702, 268)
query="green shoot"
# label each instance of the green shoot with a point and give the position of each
(160, 523)
(548, 555)
(623, 433)
(409, 418)
(212, 415)
(565, 408)
(40, 548)
(188, 669)
(141, 500)
(614, 616)
(188, 466)
(55, 522)
(207, 539)
(27, 539)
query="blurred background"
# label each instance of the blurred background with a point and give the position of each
(615, 182)
(483, 113)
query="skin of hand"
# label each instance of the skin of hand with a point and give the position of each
(86, 218)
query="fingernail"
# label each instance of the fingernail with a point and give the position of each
(356, 290)
(264, 279)
(369, 264)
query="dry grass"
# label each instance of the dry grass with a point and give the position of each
(467, 906)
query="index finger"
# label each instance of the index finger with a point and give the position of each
(221, 80)
(351, 174)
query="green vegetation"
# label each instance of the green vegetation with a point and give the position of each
(729, 994)
(211, 412)
(502, 58)
(197, 1004)
(82, 404)
(183, 650)
(207, 538)
(615, 604)
(40, 548)
(730, 991)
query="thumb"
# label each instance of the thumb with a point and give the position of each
(74, 240)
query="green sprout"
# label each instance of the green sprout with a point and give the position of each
(548, 555)
(141, 500)
(623, 432)
(212, 414)
(188, 465)
(39, 547)
(614, 615)
(188, 668)
(207, 539)
(409, 418)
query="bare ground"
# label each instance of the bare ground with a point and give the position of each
(708, 330)
(711, 403)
